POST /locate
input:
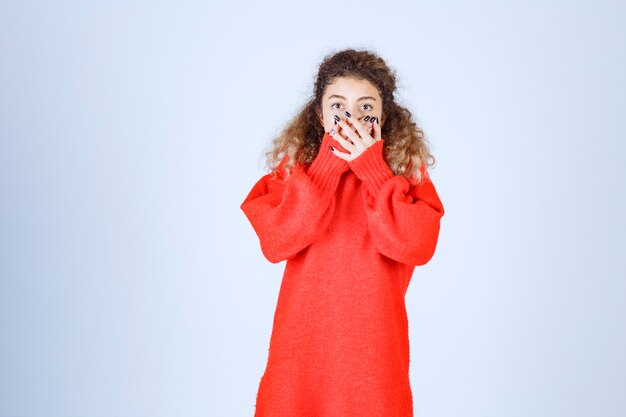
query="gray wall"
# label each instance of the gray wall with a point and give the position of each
(131, 283)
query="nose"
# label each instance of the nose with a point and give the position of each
(356, 112)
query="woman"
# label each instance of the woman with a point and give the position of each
(350, 206)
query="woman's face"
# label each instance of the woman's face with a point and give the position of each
(359, 97)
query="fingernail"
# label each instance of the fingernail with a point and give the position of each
(335, 122)
(337, 118)
(331, 148)
(331, 131)
(367, 118)
(348, 114)
(373, 119)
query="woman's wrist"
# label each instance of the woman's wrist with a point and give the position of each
(326, 168)
(371, 167)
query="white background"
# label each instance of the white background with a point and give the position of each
(131, 284)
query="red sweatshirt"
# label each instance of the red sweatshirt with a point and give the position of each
(352, 234)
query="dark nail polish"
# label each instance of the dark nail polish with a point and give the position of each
(366, 118)
(337, 118)
(348, 114)
(335, 122)
(373, 119)
(331, 148)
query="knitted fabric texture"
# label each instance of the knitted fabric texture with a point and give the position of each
(351, 234)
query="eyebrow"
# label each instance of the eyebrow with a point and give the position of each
(343, 98)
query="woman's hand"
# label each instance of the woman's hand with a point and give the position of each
(355, 137)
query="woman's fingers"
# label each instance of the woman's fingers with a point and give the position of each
(360, 127)
(355, 136)
(364, 130)
(342, 130)
(376, 130)
(342, 155)
(350, 133)
(348, 145)
(369, 124)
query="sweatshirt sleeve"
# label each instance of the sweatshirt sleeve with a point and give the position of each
(288, 214)
(403, 216)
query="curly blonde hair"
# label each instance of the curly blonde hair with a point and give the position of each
(405, 150)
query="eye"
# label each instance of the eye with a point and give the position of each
(370, 107)
(333, 105)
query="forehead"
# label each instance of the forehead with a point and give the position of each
(351, 88)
